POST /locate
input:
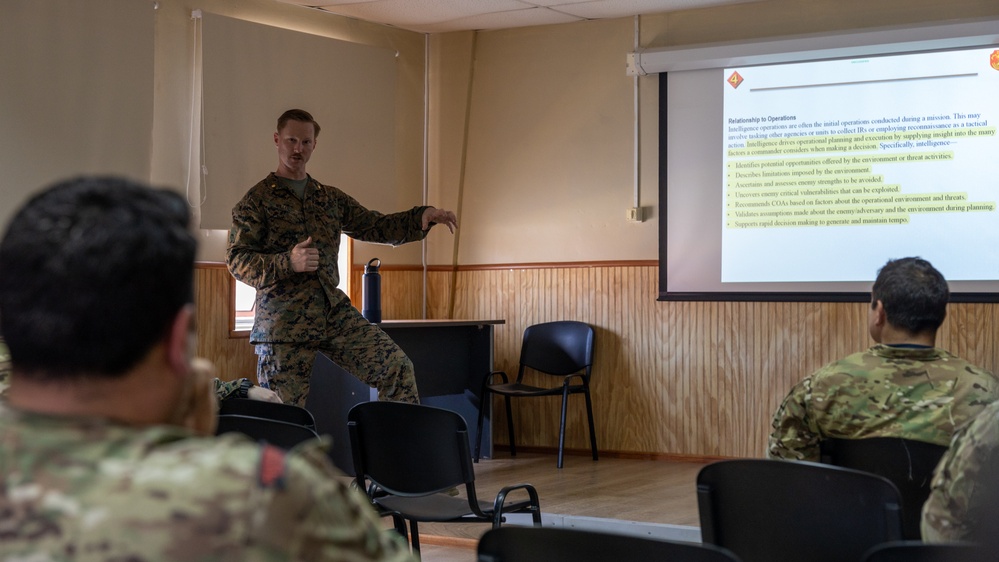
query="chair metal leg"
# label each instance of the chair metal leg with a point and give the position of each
(589, 414)
(561, 425)
(486, 395)
(414, 532)
(509, 427)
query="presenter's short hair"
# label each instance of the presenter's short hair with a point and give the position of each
(297, 115)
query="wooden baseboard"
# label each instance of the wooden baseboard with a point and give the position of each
(456, 542)
(667, 457)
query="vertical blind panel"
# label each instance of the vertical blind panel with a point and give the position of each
(75, 97)
(253, 73)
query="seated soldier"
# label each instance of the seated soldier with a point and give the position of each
(901, 387)
(105, 429)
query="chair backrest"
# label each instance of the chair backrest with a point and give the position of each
(554, 544)
(409, 449)
(789, 511)
(276, 432)
(918, 551)
(271, 410)
(908, 464)
(558, 348)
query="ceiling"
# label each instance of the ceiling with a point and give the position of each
(438, 16)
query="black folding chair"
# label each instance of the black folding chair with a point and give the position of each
(407, 456)
(561, 349)
(908, 464)
(276, 432)
(791, 511)
(918, 551)
(554, 544)
(271, 410)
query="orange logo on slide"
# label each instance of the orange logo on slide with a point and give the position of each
(994, 59)
(735, 79)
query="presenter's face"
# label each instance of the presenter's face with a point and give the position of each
(295, 143)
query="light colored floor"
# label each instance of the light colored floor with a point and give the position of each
(607, 493)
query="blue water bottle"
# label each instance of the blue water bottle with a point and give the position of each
(371, 297)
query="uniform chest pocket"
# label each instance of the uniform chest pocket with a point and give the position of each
(286, 224)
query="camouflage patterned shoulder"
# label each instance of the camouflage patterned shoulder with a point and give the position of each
(298, 501)
(5, 366)
(957, 491)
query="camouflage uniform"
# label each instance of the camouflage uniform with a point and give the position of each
(225, 389)
(86, 489)
(915, 393)
(5, 367)
(964, 483)
(298, 314)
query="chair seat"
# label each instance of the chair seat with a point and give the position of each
(441, 508)
(519, 389)
(438, 508)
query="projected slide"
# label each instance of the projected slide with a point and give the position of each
(832, 167)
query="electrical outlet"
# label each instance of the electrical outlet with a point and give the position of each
(634, 214)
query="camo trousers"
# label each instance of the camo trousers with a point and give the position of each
(359, 347)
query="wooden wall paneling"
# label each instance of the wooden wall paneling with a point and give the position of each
(401, 291)
(684, 378)
(972, 329)
(233, 356)
(639, 385)
(673, 372)
(734, 372)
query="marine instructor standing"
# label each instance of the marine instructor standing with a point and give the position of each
(284, 242)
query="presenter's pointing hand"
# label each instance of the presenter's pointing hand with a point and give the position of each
(304, 258)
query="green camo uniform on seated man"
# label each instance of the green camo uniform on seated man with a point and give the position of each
(901, 387)
(962, 502)
(153, 503)
(284, 242)
(921, 394)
